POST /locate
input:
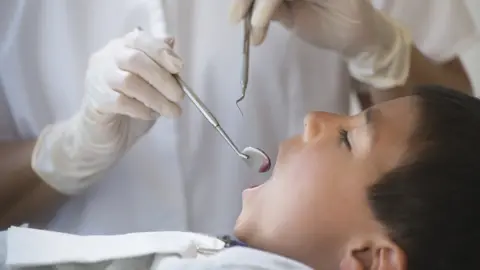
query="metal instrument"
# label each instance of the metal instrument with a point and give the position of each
(254, 157)
(247, 27)
(229, 242)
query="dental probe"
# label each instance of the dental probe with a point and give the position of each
(246, 55)
(254, 157)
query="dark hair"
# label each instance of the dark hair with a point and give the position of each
(430, 205)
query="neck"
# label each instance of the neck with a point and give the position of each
(317, 257)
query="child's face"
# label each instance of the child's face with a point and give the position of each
(316, 198)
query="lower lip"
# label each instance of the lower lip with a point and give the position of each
(252, 188)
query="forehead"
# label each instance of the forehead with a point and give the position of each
(394, 123)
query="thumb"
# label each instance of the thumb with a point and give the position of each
(263, 12)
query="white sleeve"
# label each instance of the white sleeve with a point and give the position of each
(10, 15)
(3, 249)
(8, 129)
(10, 20)
(441, 29)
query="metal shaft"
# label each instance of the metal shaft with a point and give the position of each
(246, 54)
(208, 115)
(206, 112)
(246, 51)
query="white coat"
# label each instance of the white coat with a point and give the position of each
(182, 176)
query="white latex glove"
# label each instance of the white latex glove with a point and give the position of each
(129, 84)
(376, 47)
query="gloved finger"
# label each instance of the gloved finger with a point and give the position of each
(134, 108)
(160, 50)
(139, 63)
(258, 35)
(136, 88)
(239, 9)
(263, 12)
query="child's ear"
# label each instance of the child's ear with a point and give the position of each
(368, 255)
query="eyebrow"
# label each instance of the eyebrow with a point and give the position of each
(371, 116)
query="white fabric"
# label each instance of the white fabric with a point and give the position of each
(3, 249)
(8, 130)
(181, 175)
(440, 29)
(154, 250)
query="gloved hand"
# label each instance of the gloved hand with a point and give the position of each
(129, 84)
(376, 47)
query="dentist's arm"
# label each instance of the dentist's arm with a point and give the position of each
(422, 71)
(129, 84)
(24, 197)
(447, 29)
(380, 52)
(425, 71)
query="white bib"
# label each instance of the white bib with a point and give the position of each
(152, 250)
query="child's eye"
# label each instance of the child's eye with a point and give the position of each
(344, 138)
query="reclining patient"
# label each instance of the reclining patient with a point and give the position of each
(395, 187)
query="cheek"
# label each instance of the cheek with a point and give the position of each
(313, 196)
(325, 188)
(308, 182)
(312, 167)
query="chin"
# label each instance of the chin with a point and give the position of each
(248, 222)
(244, 229)
(251, 236)
(240, 230)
